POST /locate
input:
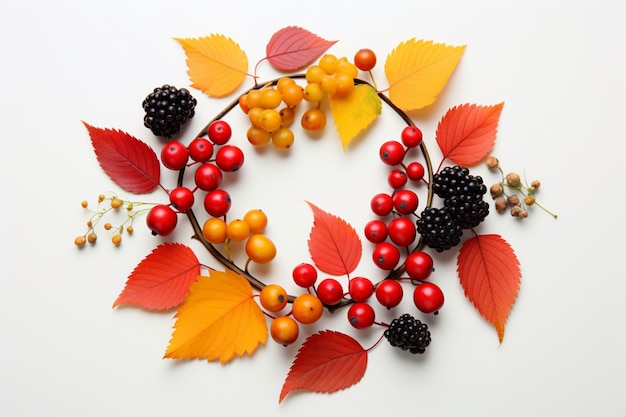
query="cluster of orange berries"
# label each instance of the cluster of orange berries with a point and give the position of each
(512, 194)
(115, 204)
(259, 248)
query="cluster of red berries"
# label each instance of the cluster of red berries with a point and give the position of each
(212, 156)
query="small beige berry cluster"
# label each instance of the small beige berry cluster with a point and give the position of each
(106, 204)
(512, 194)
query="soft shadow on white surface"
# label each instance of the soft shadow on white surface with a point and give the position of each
(559, 69)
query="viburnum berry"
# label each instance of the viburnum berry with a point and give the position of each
(307, 308)
(361, 315)
(415, 171)
(405, 201)
(161, 220)
(411, 136)
(397, 179)
(284, 330)
(376, 231)
(200, 149)
(329, 291)
(428, 297)
(174, 155)
(386, 256)
(389, 293)
(360, 288)
(381, 204)
(304, 275)
(229, 158)
(273, 297)
(219, 132)
(402, 231)
(208, 177)
(419, 265)
(217, 202)
(392, 152)
(182, 198)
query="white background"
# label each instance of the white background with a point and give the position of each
(558, 66)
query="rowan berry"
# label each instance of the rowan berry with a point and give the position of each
(376, 231)
(415, 171)
(389, 293)
(229, 158)
(361, 315)
(237, 230)
(386, 256)
(329, 291)
(405, 201)
(217, 202)
(419, 265)
(360, 288)
(273, 297)
(397, 179)
(284, 330)
(365, 59)
(208, 177)
(161, 220)
(402, 231)
(174, 155)
(307, 308)
(428, 297)
(392, 152)
(219, 132)
(200, 149)
(304, 275)
(214, 230)
(381, 204)
(256, 219)
(182, 198)
(411, 136)
(260, 248)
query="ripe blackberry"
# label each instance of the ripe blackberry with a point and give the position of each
(439, 229)
(167, 109)
(457, 181)
(465, 212)
(408, 333)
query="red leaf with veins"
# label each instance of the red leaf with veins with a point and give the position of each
(292, 48)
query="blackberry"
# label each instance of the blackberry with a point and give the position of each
(408, 333)
(439, 229)
(467, 213)
(457, 181)
(167, 109)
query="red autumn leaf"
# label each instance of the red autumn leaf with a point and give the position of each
(292, 48)
(466, 133)
(130, 163)
(334, 245)
(490, 275)
(162, 279)
(328, 361)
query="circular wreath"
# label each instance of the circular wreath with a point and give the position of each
(225, 312)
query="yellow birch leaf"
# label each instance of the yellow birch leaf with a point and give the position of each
(355, 112)
(216, 64)
(218, 320)
(417, 71)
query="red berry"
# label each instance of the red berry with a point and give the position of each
(174, 155)
(200, 149)
(415, 171)
(386, 256)
(402, 231)
(219, 132)
(365, 59)
(229, 158)
(397, 179)
(304, 275)
(329, 291)
(217, 203)
(419, 265)
(381, 204)
(405, 201)
(375, 231)
(360, 288)
(182, 198)
(392, 152)
(428, 297)
(411, 136)
(389, 293)
(208, 177)
(161, 220)
(361, 315)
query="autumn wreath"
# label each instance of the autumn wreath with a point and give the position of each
(223, 310)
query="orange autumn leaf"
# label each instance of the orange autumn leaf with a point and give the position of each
(161, 280)
(355, 112)
(218, 320)
(466, 133)
(490, 275)
(417, 71)
(334, 245)
(216, 64)
(328, 361)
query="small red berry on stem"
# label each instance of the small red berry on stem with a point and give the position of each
(389, 293)
(182, 198)
(428, 297)
(161, 220)
(219, 132)
(200, 149)
(217, 203)
(386, 256)
(392, 152)
(365, 59)
(329, 291)
(304, 275)
(411, 136)
(360, 288)
(174, 155)
(229, 158)
(376, 231)
(361, 315)
(419, 265)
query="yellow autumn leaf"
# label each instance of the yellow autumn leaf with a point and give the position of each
(218, 320)
(216, 64)
(355, 112)
(417, 71)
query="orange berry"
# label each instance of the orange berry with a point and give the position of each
(270, 98)
(307, 308)
(313, 120)
(256, 219)
(214, 230)
(257, 136)
(284, 330)
(260, 248)
(237, 230)
(283, 138)
(273, 298)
